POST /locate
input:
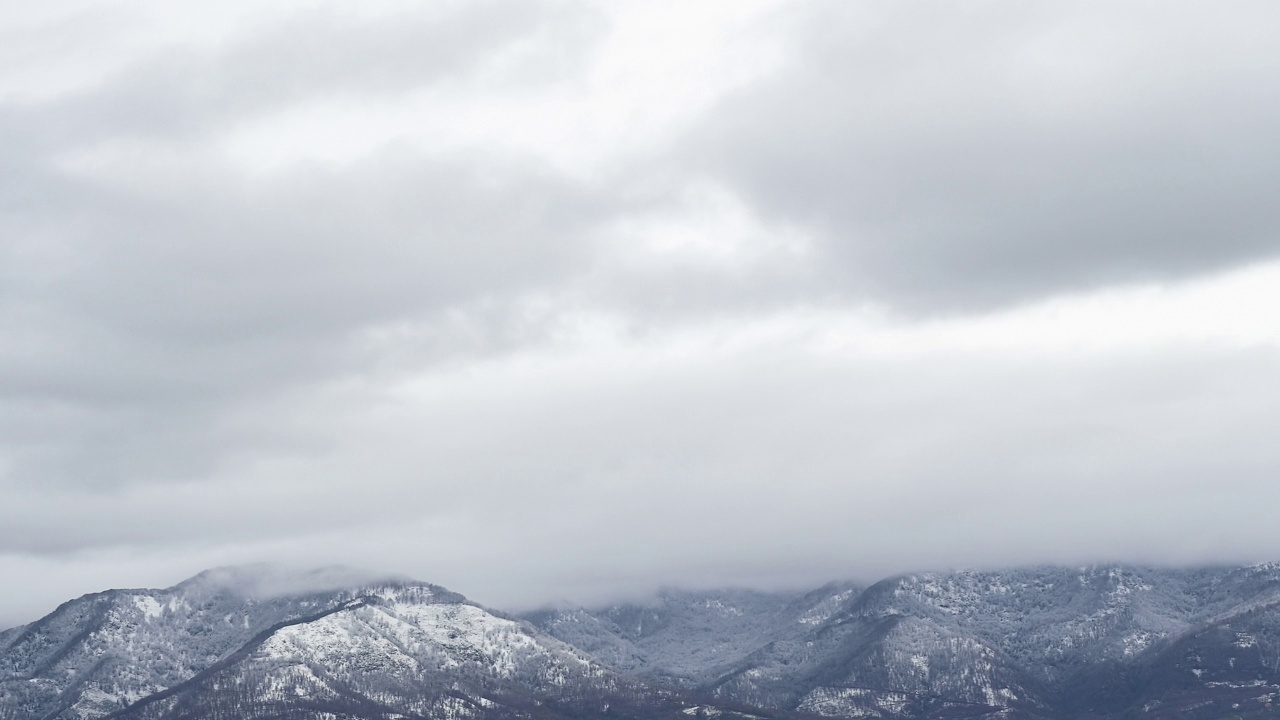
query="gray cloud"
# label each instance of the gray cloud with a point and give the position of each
(140, 313)
(614, 473)
(528, 380)
(964, 155)
(311, 55)
(174, 306)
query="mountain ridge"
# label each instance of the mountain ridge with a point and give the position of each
(1040, 643)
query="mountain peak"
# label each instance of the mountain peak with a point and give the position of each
(273, 580)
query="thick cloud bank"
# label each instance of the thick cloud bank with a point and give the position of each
(573, 299)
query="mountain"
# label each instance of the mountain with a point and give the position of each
(1105, 642)
(222, 645)
(687, 639)
(1035, 643)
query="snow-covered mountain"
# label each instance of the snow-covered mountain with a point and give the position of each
(219, 645)
(687, 639)
(1039, 642)
(1100, 642)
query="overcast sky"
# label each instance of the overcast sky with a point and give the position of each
(559, 301)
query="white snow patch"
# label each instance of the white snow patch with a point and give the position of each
(854, 702)
(1136, 642)
(825, 609)
(149, 606)
(718, 605)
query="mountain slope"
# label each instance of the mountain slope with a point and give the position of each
(212, 643)
(103, 651)
(688, 638)
(393, 651)
(1035, 642)
(1106, 642)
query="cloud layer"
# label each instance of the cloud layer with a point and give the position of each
(959, 155)
(569, 300)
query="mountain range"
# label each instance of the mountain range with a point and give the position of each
(257, 643)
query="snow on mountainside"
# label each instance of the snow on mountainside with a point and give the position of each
(103, 651)
(687, 638)
(1035, 642)
(392, 651)
(131, 653)
(1039, 643)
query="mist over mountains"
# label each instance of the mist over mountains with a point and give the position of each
(1037, 643)
(850, 280)
(570, 298)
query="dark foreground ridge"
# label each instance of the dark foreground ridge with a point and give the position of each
(1104, 642)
